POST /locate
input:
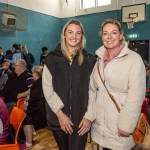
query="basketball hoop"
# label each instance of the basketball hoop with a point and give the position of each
(130, 22)
(130, 25)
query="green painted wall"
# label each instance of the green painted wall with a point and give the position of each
(42, 30)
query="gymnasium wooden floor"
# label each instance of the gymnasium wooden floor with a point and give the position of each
(47, 142)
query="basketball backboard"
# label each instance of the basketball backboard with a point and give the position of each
(137, 12)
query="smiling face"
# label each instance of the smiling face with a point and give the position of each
(111, 36)
(73, 36)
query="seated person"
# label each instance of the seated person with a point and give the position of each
(1, 55)
(19, 84)
(5, 72)
(35, 107)
(5, 67)
(3, 79)
(4, 123)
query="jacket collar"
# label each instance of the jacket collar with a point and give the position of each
(125, 51)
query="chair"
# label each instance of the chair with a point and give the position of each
(145, 107)
(16, 118)
(20, 103)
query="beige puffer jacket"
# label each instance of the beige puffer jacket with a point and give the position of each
(125, 78)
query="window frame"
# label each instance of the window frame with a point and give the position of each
(79, 11)
(96, 5)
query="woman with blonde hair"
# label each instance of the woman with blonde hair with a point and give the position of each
(123, 74)
(65, 82)
(35, 107)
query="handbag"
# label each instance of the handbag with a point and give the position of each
(141, 128)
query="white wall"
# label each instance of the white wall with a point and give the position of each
(49, 7)
(68, 8)
(72, 7)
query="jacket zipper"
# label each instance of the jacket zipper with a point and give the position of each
(70, 90)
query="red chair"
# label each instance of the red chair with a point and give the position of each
(16, 118)
(145, 107)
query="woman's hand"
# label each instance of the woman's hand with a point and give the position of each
(65, 122)
(123, 134)
(84, 126)
(19, 96)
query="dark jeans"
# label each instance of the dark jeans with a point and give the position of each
(70, 142)
(106, 148)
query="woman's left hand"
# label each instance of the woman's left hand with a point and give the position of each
(84, 126)
(123, 134)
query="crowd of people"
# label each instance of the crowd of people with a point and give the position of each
(19, 79)
(68, 92)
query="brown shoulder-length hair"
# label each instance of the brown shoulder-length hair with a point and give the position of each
(115, 22)
(81, 45)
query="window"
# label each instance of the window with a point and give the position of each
(103, 2)
(93, 3)
(87, 4)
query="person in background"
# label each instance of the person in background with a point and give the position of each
(123, 73)
(35, 108)
(1, 55)
(17, 54)
(43, 55)
(65, 81)
(20, 48)
(3, 79)
(5, 67)
(19, 84)
(8, 54)
(5, 73)
(4, 123)
(28, 57)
